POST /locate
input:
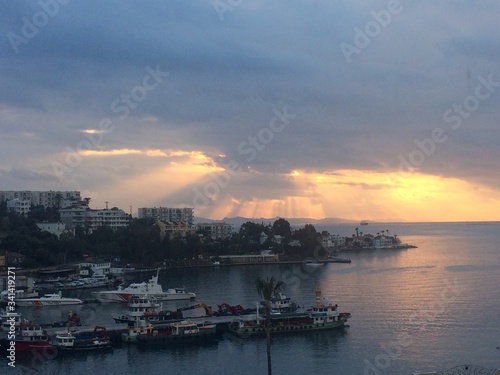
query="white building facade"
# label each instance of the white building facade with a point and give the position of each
(167, 214)
(54, 228)
(19, 206)
(50, 198)
(216, 230)
(82, 216)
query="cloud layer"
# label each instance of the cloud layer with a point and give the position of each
(149, 104)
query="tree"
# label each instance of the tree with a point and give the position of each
(266, 289)
(282, 227)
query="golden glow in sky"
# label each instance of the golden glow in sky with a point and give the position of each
(367, 195)
(346, 194)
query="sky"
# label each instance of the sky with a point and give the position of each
(362, 110)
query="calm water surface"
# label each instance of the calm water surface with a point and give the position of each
(429, 308)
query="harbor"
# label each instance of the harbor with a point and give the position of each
(142, 323)
(379, 288)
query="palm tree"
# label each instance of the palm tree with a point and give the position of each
(267, 289)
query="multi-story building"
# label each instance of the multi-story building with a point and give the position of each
(54, 228)
(167, 214)
(381, 242)
(333, 240)
(216, 230)
(20, 206)
(169, 228)
(49, 198)
(83, 216)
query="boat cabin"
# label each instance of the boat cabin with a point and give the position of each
(33, 332)
(66, 340)
(324, 313)
(185, 329)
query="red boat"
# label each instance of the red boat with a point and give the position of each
(31, 337)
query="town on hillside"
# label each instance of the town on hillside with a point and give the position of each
(40, 229)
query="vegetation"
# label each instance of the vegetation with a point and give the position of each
(141, 244)
(267, 289)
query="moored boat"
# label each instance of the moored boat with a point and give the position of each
(150, 288)
(322, 316)
(51, 299)
(146, 308)
(281, 303)
(97, 340)
(133, 332)
(184, 331)
(29, 338)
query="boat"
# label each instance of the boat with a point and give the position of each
(146, 308)
(67, 341)
(133, 332)
(51, 299)
(28, 337)
(280, 303)
(363, 222)
(184, 331)
(18, 293)
(150, 288)
(322, 316)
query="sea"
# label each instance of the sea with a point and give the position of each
(429, 308)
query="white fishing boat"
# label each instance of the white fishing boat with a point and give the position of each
(151, 289)
(144, 308)
(51, 299)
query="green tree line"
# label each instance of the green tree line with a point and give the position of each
(140, 242)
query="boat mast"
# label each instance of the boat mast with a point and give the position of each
(317, 291)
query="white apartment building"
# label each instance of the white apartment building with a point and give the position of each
(216, 230)
(54, 228)
(20, 206)
(83, 216)
(382, 242)
(49, 198)
(97, 269)
(167, 214)
(333, 240)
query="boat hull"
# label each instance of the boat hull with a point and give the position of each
(246, 331)
(83, 347)
(200, 336)
(86, 344)
(117, 297)
(24, 347)
(26, 303)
